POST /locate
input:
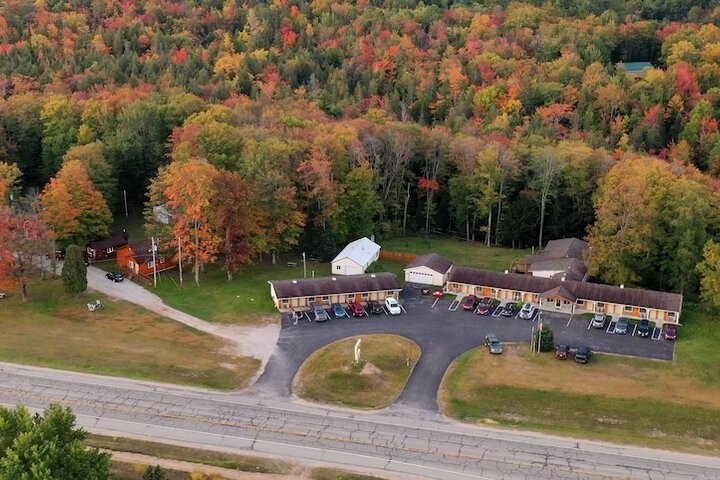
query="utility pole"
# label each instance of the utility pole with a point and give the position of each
(152, 242)
(125, 197)
(304, 267)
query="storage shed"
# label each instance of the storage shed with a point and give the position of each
(356, 257)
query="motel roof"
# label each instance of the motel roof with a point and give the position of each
(671, 302)
(312, 287)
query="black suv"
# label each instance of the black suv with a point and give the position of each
(582, 355)
(644, 328)
(375, 308)
(116, 277)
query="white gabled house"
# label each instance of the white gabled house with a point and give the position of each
(356, 257)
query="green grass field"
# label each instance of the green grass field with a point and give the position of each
(618, 399)
(465, 254)
(329, 376)
(57, 330)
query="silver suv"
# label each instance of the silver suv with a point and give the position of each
(598, 320)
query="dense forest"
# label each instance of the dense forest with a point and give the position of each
(258, 126)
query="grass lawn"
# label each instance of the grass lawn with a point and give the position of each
(57, 330)
(618, 399)
(329, 376)
(465, 254)
(245, 299)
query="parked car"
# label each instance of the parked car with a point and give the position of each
(583, 354)
(338, 311)
(562, 351)
(116, 277)
(621, 326)
(493, 344)
(485, 306)
(58, 254)
(670, 332)
(438, 293)
(598, 320)
(508, 310)
(644, 328)
(320, 314)
(470, 302)
(375, 308)
(392, 305)
(357, 309)
(527, 311)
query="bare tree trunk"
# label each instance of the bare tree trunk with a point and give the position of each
(405, 209)
(474, 217)
(499, 209)
(24, 292)
(543, 200)
(489, 230)
(467, 228)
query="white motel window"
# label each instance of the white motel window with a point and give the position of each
(285, 302)
(325, 297)
(364, 295)
(581, 303)
(517, 296)
(627, 308)
(671, 316)
(599, 307)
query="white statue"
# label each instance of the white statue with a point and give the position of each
(357, 350)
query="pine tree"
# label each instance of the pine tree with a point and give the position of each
(74, 271)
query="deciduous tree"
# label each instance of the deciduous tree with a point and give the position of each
(72, 208)
(360, 204)
(237, 219)
(709, 270)
(545, 167)
(47, 446)
(190, 188)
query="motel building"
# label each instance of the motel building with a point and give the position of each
(567, 296)
(299, 294)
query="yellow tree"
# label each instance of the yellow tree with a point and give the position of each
(72, 208)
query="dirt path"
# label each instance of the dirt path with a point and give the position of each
(252, 341)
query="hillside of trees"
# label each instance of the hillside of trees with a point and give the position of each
(260, 126)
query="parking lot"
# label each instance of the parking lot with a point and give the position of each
(442, 335)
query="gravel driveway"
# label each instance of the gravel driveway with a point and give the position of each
(252, 341)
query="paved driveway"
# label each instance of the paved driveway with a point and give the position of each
(442, 335)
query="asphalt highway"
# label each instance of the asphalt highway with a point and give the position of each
(415, 442)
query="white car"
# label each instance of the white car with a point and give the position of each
(392, 305)
(527, 311)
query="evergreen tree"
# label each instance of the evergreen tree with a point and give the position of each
(74, 271)
(155, 473)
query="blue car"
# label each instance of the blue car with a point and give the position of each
(338, 311)
(622, 326)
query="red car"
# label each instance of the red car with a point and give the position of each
(670, 332)
(484, 306)
(439, 293)
(470, 302)
(357, 309)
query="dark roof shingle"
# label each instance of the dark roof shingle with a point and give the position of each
(114, 240)
(583, 290)
(309, 287)
(433, 261)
